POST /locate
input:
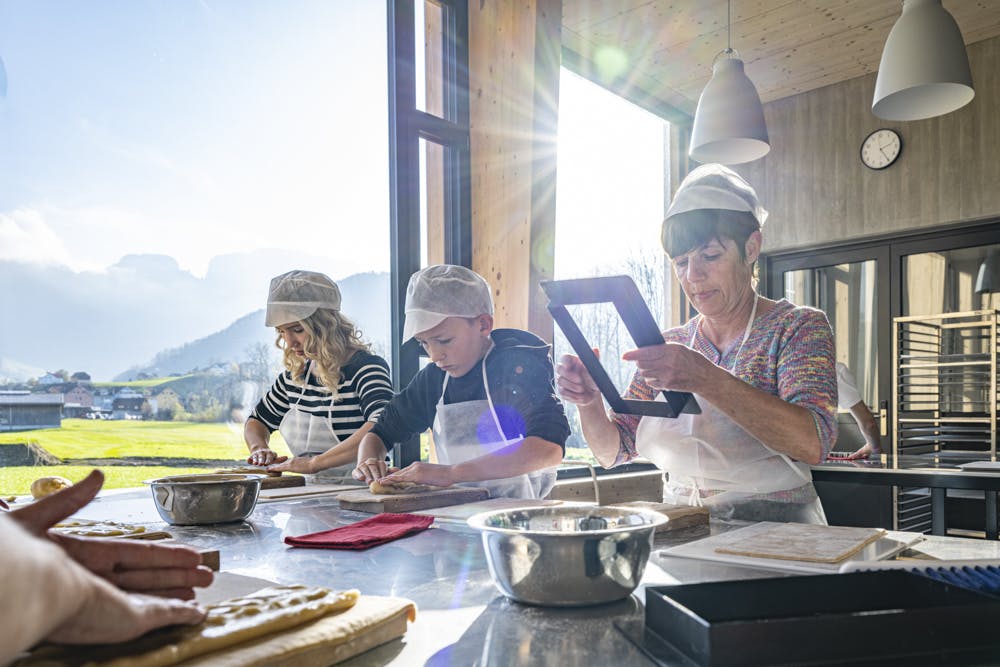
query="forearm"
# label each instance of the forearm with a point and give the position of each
(782, 426)
(371, 446)
(866, 424)
(256, 435)
(600, 433)
(529, 455)
(342, 453)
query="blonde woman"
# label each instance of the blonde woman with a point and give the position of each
(332, 389)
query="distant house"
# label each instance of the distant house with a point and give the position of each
(22, 411)
(79, 402)
(50, 378)
(128, 404)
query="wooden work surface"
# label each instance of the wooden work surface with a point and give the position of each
(305, 491)
(282, 482)
(364, 500)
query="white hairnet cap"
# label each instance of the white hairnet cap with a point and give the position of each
(718, 187)
(442, 291)
(296, 295)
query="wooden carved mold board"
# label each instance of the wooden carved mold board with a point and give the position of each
(364, 500)
(806, 542)
(306, 491)
(747, 539)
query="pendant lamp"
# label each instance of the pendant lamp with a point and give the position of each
(924, 70)
(988, 279)
(729, 121)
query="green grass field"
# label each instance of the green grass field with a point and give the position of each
(99, 439)
(152, 382)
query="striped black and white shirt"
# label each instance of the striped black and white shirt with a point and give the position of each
(364, 391)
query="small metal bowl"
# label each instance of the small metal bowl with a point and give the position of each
(185, 500)
(567, 556)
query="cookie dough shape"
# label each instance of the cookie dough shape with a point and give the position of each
(46, 486)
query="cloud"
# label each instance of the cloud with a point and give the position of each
(25, 237)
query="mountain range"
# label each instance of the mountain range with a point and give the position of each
(146, 312)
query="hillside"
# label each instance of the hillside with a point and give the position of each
(365, 301)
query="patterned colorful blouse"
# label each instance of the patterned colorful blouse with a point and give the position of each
(789, 353)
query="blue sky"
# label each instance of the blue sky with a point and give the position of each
(195, 129)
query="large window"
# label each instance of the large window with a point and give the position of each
(160, 163)
(609, 206)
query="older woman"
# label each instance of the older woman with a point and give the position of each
(333, 387)
(762, 371)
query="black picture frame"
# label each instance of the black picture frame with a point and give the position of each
(622, 292)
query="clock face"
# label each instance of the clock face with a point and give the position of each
(881, 149)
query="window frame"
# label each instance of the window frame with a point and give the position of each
(407, 125)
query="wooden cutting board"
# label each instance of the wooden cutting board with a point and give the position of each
(305, 491)
(680, 516)
(282, 482)
(364, 500)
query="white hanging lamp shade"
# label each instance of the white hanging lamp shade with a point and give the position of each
(924, 70)
(729, 121)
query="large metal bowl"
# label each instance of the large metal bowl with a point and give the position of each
(567, 556)
(184, 500)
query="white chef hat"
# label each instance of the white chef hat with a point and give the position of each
(441, 291)
(296, 295)
(715, 186)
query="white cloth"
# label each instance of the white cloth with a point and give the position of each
(714, 186)
(441, 291)
(709, 452)
(308, 435)
(847, 388)
(42, 588)
(462, 432)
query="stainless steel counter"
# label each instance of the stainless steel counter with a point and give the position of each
(462, 618)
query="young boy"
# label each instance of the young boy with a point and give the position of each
(488, 395)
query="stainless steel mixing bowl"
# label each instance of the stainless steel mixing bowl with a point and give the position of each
(213, 498)
(567, 556)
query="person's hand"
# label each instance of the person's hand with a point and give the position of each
(169, 571)
(671, 366)
(573, 381)
(372, 468)
(420, 472)
(864, 453)
(300, 464)
(109, 615)
(265, 456)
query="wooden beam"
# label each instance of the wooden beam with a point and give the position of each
(514, 57)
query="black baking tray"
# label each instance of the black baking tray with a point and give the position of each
(823, 619)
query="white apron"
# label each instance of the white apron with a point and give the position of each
(308, 435)
(468, 430)
(711, 453)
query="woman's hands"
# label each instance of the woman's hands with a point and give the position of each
(671, 366)
(109, 615)
(143, 567)
(265, 456)
(573, 381)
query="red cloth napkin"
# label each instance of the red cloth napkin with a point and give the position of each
(366, 533)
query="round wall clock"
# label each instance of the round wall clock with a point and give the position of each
(881, 148)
